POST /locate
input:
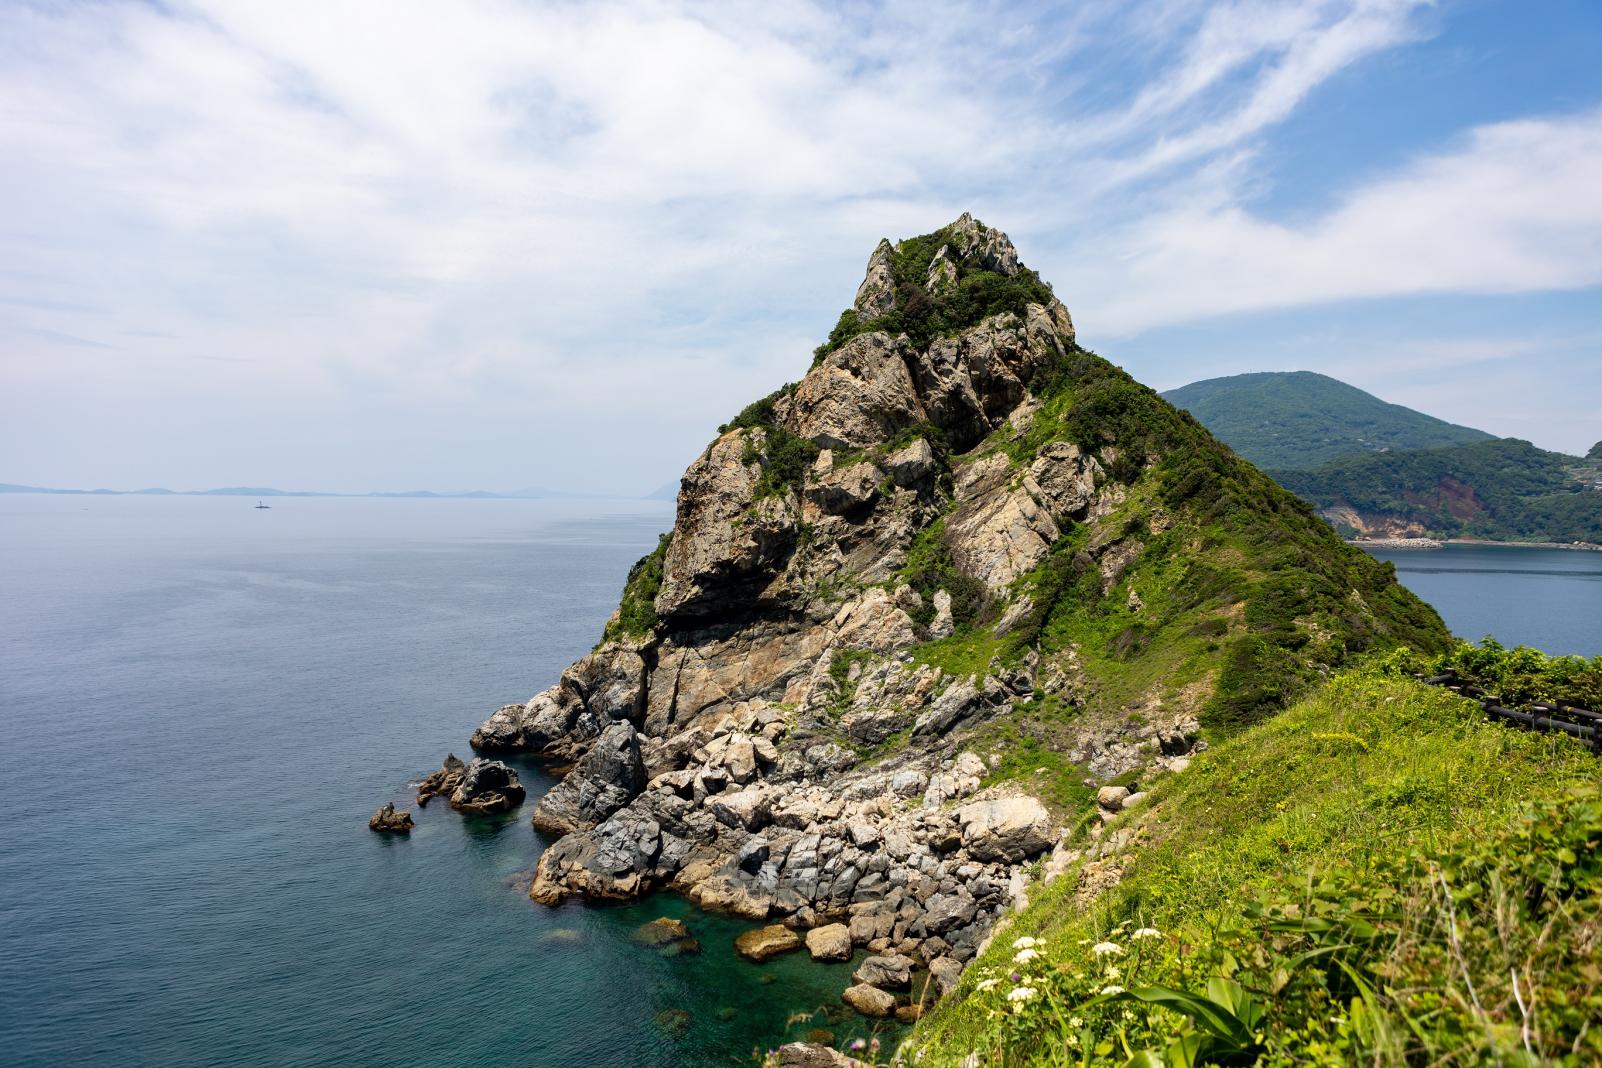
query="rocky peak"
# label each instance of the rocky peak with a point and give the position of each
(958, 534)
(877, 293)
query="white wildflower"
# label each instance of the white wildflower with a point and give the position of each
(1076, 1023)
(1109, 991)
(1102, 949)
(1147, 932)
(1021, 993)
(987, 984)
(1026, 943)
(1024, 956)
(1113, 972)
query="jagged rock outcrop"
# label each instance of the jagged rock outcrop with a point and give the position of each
(873, 586)
(487, 787)
(443, 781)
(607, 777)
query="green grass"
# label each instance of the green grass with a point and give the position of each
(965, 654)
(636, 610)
(1328, 826)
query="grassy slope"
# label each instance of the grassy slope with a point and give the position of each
(1367, 770)
(1299, 419)
(1240, 592)
(1522, 491)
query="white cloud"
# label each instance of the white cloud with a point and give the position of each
(1517, 208)
(496, 233)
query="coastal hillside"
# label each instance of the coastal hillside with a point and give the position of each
(916, 608)
(1377, 876)
(1301, 419)
(1503, 489)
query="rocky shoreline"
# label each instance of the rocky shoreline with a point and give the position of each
(806, 710)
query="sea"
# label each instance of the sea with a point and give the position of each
(1547, 598)
(202, 702)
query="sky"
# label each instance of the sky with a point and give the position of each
(388, 245)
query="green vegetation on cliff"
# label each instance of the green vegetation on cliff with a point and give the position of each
(636, 610)
(1499, 489)
(1301, 419)
(976, 295)
(1232, 583)
(1376, 876)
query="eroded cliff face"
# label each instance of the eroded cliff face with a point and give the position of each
(883, 581)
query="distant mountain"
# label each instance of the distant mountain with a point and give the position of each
(670, 491)
(1502, 489)
(1295, 420)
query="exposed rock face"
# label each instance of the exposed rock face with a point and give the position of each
(860, 395)
(389, 821)
(877, 293)
(783, 741)
(486, 787)
(605, 779)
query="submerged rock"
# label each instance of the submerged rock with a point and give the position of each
(766, 943)
(674, 1022)
(390, 821)
(661, 931)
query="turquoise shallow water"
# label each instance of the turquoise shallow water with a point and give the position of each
(201, 705)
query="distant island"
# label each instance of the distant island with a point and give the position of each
(1377, 470)
(531, 494)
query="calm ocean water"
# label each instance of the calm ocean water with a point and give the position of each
(202, 704)
(1548, 598)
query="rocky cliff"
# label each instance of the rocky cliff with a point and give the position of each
(916, 607)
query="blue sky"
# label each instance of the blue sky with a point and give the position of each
(355, 246)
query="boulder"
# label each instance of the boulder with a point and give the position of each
(726, 544)
(487, 786)
(909, 783)
(869, 1000)
(814, 1055)
(1112, 797)
(885, 972)
(660, 932)
(945, 972)
(765, 943)
(749, 809)
(605, 779)
(387, 820)
(831, 942)
(1009, 829)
